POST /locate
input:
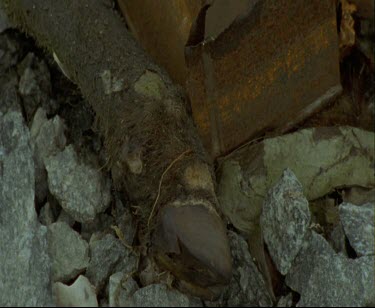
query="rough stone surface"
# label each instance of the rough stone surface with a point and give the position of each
(24, 262)
(284, 220)
(81, 190)
(68, 251)
(121, 287)
(247, 287)
(48, 139)
(108, 255)
(158, 295)
(359, 227)
(324, 278)
(80, 294)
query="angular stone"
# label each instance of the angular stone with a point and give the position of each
(323, 278)
(108, 255)
(80, 294)
(247, 287)
(121, 287)
(48, 139)
(359, 227)
(158, 295)
(24, 262)
(81, 190)
(68, 251)
(284, 220)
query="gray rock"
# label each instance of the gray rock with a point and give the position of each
(324, 278)
(24, 262)
(109, 255)
(158, 295)
(81, 190)
(48, 139)
(121, 287)
(359, 227)
(46, 216)
(68, 251)
(284, 220)
(80, 294)
(247, 287)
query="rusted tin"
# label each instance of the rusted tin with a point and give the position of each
(265, 72)
(250, 66)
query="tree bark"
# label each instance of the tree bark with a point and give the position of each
(155, 154)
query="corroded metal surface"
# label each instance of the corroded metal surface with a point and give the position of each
(265, 72)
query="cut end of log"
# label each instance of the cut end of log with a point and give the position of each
(192, 243)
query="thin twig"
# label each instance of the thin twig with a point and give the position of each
(161, 181)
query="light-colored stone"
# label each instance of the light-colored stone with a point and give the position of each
(47, 138)
(68, 251)
(321, 158)
(247, 287)
(80, 294)
(285, 220)
(326, 279)
(359, 227)
(24, 262)
(81, 190)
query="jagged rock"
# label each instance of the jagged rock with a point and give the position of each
(247, 287)
(108, 255)
(121, 287)
(359, 227)
(284, 220)
(158, 295)
(68, 251)
(48, 139)
(24, 262)
(324, 278)
(80, 294)
(81, 190)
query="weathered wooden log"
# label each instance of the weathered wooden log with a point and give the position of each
(155, 154)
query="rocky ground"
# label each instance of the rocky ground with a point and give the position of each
(69, 239)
